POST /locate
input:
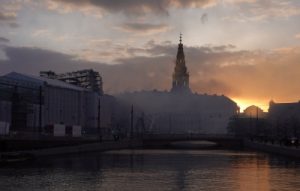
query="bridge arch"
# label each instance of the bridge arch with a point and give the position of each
(223, 141)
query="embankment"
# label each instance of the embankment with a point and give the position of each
(275, 149)
(91, 147)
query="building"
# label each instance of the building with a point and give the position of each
(284, 119)
(254, 112)
(88, 79)
(170, 113)
(35, 104)
(180, 82)
(179, 110)
(250, 123)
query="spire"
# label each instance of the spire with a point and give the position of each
(180, 38)
(180, 75)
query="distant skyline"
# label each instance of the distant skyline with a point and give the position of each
(248, 50)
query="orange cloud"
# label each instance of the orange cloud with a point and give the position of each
(297, 36)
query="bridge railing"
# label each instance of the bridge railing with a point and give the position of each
(187, 136)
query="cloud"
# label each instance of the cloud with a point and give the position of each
(271, 9)
(253, 10)
(7, 16)
(13, 25)
(4, 40)
(129, 7)
(143, 28)
(239, 1)
(32, 60)
(247, 10)
(41, 33)
(204, 18)
(9, 11)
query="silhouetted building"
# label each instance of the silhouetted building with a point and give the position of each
(285, 119)
(88, 79)
(180, 110)
(180, 76)
(254, 112)
(251, 123)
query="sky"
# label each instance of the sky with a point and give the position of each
(248, 50)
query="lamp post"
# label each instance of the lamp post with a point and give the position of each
(99, 120)
(40, 109)
(131, 123)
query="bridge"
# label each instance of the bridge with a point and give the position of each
(223, 141)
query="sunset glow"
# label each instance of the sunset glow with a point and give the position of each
(244, 103)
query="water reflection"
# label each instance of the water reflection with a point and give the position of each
(155, 170)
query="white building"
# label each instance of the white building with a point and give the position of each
(34, 104)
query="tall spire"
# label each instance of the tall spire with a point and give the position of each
(180, 75)
(180, 38)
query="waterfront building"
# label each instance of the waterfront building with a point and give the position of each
(34, 104)
(284, 119)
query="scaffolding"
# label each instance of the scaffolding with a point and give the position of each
(88, 79)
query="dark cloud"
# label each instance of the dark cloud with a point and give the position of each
(143, 28)
(6, 17)
(134, 7)
(8, 20)
(4, 40)
(33, 60)
(13, 25)
(169, 49)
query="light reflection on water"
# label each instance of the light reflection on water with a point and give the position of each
(155, 170)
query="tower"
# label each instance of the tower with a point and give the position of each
(180, 76)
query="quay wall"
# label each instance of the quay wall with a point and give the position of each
(274, 149)
(89, 147)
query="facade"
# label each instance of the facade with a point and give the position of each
(284, 119)
(35, 104)
(169, 113)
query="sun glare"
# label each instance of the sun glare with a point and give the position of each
(244, 103)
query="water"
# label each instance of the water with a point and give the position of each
(155, 170)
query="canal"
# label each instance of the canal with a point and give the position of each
(155, 170)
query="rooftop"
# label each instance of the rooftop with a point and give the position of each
(31, 80)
